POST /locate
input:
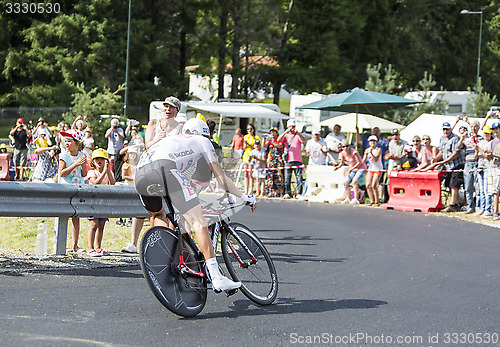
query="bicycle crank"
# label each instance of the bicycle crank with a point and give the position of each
(231, 292)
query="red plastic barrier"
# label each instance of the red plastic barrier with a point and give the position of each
(4, 166)
(415, 191)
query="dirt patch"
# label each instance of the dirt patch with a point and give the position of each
(24, 262)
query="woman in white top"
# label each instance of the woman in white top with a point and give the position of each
(373, 155)
(417, 148)
(158, 128)
(88, 144)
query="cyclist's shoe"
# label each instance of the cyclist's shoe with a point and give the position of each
(223, 283)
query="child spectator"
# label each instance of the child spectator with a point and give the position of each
(3, 148)
(78, 123)
(46, 165)
(43, 141)
(100, 174)
(72, 169)
(408, 161)
(259, 157)
(275, 162)
(373, 155)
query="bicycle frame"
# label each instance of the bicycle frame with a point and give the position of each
(218, 224)
(183, 268)
(214, 218)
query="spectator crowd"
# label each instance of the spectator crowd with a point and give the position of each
(272, 165)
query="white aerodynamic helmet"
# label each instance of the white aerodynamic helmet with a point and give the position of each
(195, 126)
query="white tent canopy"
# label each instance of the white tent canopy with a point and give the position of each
(431, 124)
(237, 110)
(226, 109)
(365, 121)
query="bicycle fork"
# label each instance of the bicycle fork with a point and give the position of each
(243, 264)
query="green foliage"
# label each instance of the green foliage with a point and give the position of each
(481, 101)
(319, 45)
(437, 106)
(93, 104)
(375, 83)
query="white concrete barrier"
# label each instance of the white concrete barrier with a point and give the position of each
(324, 184)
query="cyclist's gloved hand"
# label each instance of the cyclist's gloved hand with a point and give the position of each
(250, 200)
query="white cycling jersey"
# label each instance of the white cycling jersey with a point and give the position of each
(184, 150)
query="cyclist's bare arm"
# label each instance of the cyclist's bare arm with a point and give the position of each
(226, 182)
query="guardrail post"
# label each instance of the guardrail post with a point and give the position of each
(60, 235)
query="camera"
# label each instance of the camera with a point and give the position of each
(115, 126)
(57, 151)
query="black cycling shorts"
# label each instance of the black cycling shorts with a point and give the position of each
(161, 179)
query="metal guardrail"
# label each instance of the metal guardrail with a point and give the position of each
(64, 201)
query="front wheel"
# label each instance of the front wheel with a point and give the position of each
(249, 262)
(159, 255)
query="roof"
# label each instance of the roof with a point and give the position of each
(365, 121)
(228, 109)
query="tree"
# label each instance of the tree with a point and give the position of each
(481, 101)
(438, 105)
(376, 84)
(93, 104)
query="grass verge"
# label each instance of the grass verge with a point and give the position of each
(18, 234)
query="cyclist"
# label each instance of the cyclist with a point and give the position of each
(165, 169)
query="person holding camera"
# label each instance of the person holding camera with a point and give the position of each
(41, 128)
(115, 136)
(21, 134)
(293, 141)
(470, 144)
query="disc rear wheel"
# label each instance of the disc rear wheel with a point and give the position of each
(159, 255)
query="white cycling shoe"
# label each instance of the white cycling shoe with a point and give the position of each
(223, 283)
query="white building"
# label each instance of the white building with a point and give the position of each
(305, 116)
(456, 102)
(205, 88)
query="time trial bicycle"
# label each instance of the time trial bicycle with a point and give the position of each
(175, 268)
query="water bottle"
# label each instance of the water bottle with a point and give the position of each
(41, 239)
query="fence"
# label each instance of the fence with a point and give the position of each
(64, 201)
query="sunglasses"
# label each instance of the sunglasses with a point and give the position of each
(416, 140)
(426, 139)
(346, 146)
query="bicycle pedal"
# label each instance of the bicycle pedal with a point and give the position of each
(231, 292)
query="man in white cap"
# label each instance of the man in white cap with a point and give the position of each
(450, 158)
(293, 141)
(316, 149)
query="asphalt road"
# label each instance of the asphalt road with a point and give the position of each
(348, 276)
